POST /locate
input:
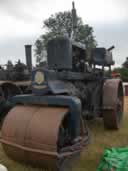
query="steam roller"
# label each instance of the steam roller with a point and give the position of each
(48, 127)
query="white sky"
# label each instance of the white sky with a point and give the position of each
(21, 23)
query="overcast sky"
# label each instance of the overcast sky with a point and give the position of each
(21, 23)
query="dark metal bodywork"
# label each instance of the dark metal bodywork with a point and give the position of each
(80, 78)
(61, 54)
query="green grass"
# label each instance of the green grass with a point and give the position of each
(90, 157)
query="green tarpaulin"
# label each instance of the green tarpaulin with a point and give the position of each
(114, 159)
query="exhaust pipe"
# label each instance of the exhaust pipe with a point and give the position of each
(28, 54)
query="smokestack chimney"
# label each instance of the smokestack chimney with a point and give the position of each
(28, 54)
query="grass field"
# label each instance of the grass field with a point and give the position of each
(90, 157)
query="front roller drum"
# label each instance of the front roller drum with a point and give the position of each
(41, 136)
(113, 102)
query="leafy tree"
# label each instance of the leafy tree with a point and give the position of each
(123, 73)
(60, 24)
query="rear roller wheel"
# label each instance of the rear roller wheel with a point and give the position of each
(113, 103)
